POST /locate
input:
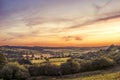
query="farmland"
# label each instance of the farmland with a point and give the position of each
(56, 61)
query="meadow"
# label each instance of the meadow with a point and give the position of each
(56, 61)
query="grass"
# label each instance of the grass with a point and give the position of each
(37, 61)
(56, 61)
(109, 76)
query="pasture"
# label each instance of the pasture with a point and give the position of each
(56, 61)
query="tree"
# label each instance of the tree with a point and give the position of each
(33, 70)
(46, 69)
(49, 69)
(96, 64)
(112, 48)
(24, 61)
(14, 71)
(70, 67)
(3, 60)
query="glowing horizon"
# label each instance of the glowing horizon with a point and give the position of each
(60, 23)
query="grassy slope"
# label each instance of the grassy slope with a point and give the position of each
(109, 76)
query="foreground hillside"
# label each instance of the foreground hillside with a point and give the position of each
(111, 74)
(107, 74)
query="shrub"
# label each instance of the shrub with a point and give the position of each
(70, 67)
(3, 60)
(116, 57)
(33, 70)
(46, 69)
(14, 71)
(49, 70)
(24, 61)
(96, 64)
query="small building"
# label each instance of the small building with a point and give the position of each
(46, 55)
(36, 56)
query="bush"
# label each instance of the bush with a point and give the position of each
(3, 60)
(49, 70)
(70, 67)
(14, 71)
(96, 64)
(33, 70)
(46, 69)
(24, 61)
(116, 57)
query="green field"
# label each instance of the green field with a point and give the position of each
(56, 61)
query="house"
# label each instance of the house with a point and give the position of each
(46, 55)
(27, 56)
(36, 56)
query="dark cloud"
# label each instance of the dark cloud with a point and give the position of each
(8, 39)
(33, 21)
(69, 38)
(77, 38)
(98, 8)
(39, 20)
(13, 36)
(21, 35)
(108, 18)
(16, 35)
(98, 19)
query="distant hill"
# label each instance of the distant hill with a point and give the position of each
(41, 48)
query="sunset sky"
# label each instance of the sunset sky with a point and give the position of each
(60, 22)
